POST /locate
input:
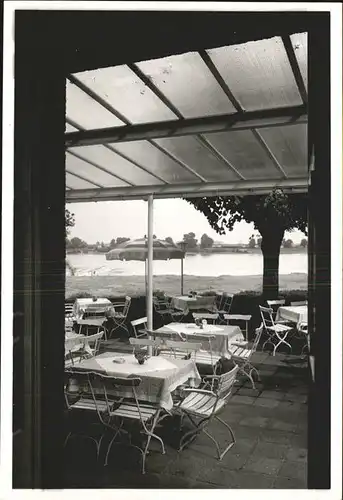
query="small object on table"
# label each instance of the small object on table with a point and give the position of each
(141, 356)
(94, 298)
(118, 360)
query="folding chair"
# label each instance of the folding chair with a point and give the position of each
(274, 331)
(210, 317)
(178, 349)
(303, 329)
(239, 318)
(140, 322)
(205, 405)
(92, 344)
(127, 408)
(95, 318)
(224, 307)
(164, 309)
(204, 356)
(73, 349)
(274, 305)
(242, 352)
(83, 404)
(139, 343)
(119, 317)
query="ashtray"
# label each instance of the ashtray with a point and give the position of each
(118, 360)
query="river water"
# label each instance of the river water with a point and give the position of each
(235, 264)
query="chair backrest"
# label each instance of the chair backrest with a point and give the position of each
(166, 335)
(182, 346)
(207, 316)
(226, 302)
(114, 388)
(94, 341)
(72, 342)
(258, 333)
(144, 342)
(279, 302)
(139, 322)
(299, 303)
(225, 383)
(127, 305)
(267, 316)
(275, 304)
(237, 317)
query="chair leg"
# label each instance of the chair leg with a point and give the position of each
(232, 437)
(281, 341)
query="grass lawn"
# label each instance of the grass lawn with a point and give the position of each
(171, 284)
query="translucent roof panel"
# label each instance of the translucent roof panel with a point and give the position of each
(85, 111)
(299, 42)
(187, 82)
(70, 128)
(155, 161)
(74, 182)
(113, 162)
(245, 153)
(126, 93)
(289, 145)
(79, 167)
(191, 152)
(258, 74)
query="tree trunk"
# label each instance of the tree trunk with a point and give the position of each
(270, 246)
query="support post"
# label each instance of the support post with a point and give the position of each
(181, 275)
(150, 264)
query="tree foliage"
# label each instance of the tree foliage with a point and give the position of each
(69, 221)
(206, 241)
(252, 242)
(271, 214)
(277, 210)
(190, 241)
(287, 243)
(303, 243)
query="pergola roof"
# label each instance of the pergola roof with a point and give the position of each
(229, 120)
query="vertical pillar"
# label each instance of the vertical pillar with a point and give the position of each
(150, 261)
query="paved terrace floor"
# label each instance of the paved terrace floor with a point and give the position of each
(270, 425)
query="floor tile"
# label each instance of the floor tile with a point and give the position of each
(294, 470)
(286, 483)
(266, 402)
(264, 449)
(255, 421)
(275, 436)
(297, 454)
(263, 465)
(248, 400)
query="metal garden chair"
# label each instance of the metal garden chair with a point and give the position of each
(139, 343)
(178, 349)
(242, 352)
(202, 406)
(276, 332)
(204, 356)
(73, 349)
(274, 305)
(224, 307)
(92, 344)
(119, 317)
(163, 308)
(81, 402)
(94, 321)
(126, 408)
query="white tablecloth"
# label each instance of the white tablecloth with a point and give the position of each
(186, 304)
(296, 314)
(159, 376)
(224, 334)
(82, 305)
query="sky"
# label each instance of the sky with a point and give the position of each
(172, 217)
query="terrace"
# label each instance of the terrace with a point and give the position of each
(270, 425)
